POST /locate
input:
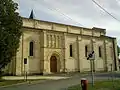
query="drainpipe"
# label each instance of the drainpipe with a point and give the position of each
(115, 50)
(22, 55)
(78, 54)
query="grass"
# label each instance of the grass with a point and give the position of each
(100, 85)
(11, 82)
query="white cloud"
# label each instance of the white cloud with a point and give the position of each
(82, 11)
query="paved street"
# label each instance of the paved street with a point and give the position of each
(60, 84)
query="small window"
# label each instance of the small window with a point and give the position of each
(71, 54)
(100, 54)
(86, 50)
(31, 49)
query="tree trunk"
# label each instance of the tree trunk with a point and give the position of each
(0, 75)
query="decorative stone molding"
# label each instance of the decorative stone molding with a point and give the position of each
(35, 24)
(106, 41)
(94, 40)
(79, 38)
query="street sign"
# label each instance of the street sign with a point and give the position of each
(25, 60)
(25, 71)
(91, 56)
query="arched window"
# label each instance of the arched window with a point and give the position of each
(31, 49)
(71, 52)
(86, 50)
(100, 53)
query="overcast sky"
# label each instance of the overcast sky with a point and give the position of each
(76, 12)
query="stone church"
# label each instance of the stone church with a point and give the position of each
(51, 47)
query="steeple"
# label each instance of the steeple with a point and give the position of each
(31, 15)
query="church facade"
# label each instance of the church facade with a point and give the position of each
(53, 48)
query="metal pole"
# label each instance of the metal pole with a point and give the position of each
(92, 73)
(24, 72)
(26, 75)
(92, 62)
(112, 75)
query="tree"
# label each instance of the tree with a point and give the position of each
(10, 31)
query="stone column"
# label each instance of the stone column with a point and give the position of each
(78, 58)
(45, 45)
(46, 66)
(19, 58)
(45, 38)
(55, 41)
(50, 41)
(63, 59)
(105, 59)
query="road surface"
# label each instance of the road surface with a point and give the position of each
(60, 84)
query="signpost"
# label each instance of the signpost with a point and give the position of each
(91, 57)
(25, 71)
(112, 75)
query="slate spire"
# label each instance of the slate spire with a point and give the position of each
(31, 15)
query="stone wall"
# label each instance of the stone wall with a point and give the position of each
(54, 39)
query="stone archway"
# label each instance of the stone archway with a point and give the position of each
(53, 64)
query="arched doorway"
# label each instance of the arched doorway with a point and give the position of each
(53, 64)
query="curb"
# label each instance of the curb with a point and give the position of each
(48, 80)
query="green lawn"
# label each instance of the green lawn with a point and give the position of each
(10, 82)
(100, 85)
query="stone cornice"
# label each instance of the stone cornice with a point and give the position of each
(36, 23)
